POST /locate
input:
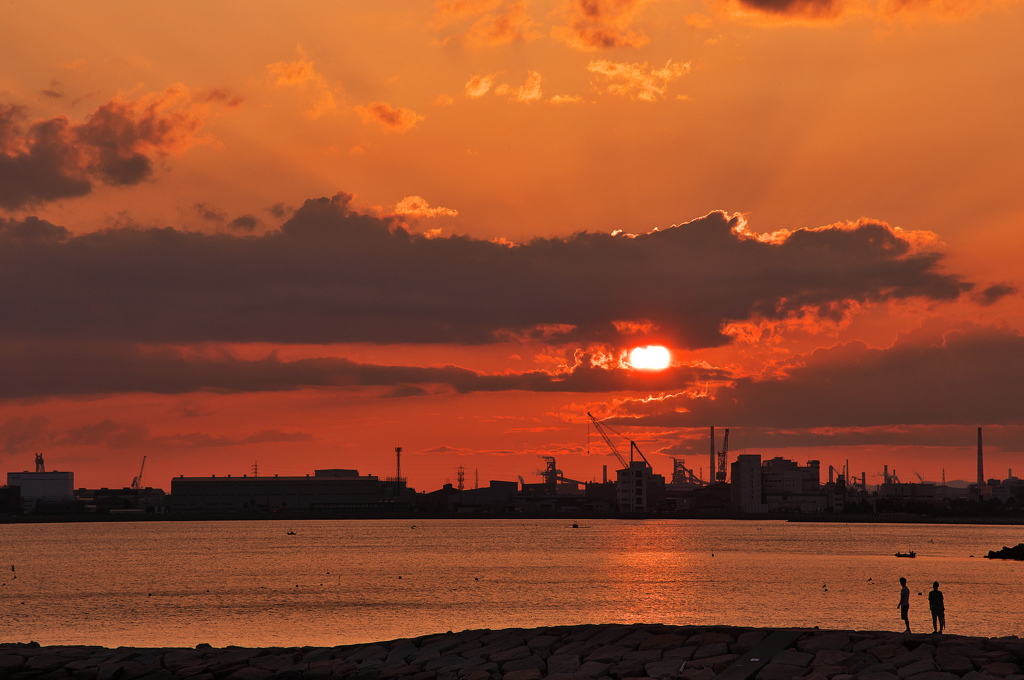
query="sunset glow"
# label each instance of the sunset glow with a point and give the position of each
(241, 235)
(652, 358)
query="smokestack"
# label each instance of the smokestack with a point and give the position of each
(604, 474)
(981, 463)
(711, 470)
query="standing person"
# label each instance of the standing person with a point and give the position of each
(904, 604)
(938, 608)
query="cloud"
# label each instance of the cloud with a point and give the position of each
(830, 11)
(301, 74)
(529, 91)
(332, 274)
(966, 375)
(71, 368)
(495, 22)
(244, 223)
(638, 81)
(600, 24)
(390, 119)
(417, 206)
(48, 160)
(478, 86)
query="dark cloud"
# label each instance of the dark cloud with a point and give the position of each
(964, 376)
(74, 368)
(994, 293)
(58, 158)
(244, 223)
(331, 274)
(804, 8)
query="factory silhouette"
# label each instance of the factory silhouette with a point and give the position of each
(747, 487)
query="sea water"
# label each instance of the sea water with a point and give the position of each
(331, 582)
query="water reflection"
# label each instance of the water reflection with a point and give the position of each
(251, 583)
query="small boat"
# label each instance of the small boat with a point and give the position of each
(907, 554)
(291, 533)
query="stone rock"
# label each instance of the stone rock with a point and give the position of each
(916, 668)
(44, 663)
(643, 656)
(859, 662)
(611, 635)
(780, 671)
(1000, 669)
(876, 668)
(635, 638)
(11, 662)
(717, 663)
(710, 637)
(185, 658)
(711, 649)
(563, 663)
(592, 669)
(512, 654)
(888, 651)
(816, 643)
(750, 639)
(977, 675)
(697, 674)
(525, 674)
(667, 641)
(628, 668)
(660, 669)
(934, 675)
(607, 654)
(828, 671)
(478, 674)
(791, 657)
(417, 657)
(542, 643)
(576, 647)
(831, 657)
(250, 673)
(954, 663)
(877, 675)
(522, 664)
(446, 662)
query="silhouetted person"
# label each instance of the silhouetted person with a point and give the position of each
(938, 608)
(904, 604)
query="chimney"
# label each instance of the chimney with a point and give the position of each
(981, 463)
(711, 470)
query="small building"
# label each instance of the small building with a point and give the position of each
(746, 489)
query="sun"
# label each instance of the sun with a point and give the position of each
(650, 358)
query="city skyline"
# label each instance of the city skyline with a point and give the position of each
(302, 235)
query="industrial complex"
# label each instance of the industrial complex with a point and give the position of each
(748, 486)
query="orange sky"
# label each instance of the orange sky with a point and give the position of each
(300, 234)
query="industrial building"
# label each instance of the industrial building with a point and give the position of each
(326, 491)
(776, 485)
(42, 491)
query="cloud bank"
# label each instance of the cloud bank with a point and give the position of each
(331, 274)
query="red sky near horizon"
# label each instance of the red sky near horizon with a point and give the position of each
(298, 235)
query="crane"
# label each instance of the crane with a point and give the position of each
(608, 441)
(137, 482)
(723, 458)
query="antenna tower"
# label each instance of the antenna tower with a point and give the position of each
(255, 468)
(462, 478)
(476, 478)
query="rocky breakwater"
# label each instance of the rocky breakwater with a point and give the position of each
(616, 652)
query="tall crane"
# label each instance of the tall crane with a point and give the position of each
(608, 441)
(611, 445)
(723, 458)
(137, 482)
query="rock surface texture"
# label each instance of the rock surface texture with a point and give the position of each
(613, 652)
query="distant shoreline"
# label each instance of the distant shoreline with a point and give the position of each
(889, 518)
